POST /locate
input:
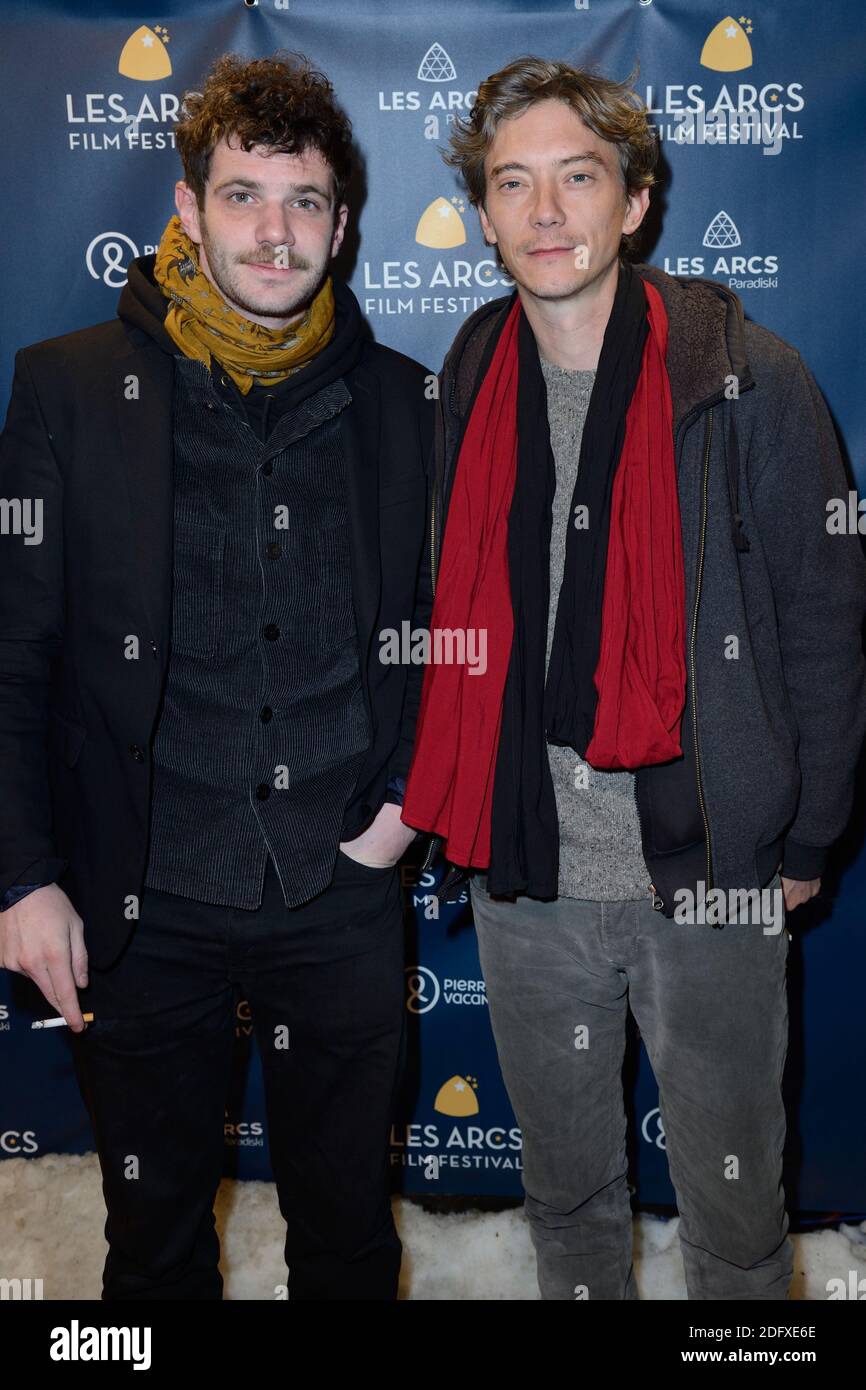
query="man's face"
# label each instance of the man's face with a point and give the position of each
(552, 188)
(268, 231)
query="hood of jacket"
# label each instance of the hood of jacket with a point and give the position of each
(706, 342)
(143, 306)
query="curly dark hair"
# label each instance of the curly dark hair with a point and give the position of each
(280, 101)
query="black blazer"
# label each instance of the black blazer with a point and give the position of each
(85, 616)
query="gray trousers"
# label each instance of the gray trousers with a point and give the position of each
(711, 1006)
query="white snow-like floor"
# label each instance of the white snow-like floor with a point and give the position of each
(53, 1216)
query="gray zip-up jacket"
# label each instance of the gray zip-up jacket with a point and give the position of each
(776, 680)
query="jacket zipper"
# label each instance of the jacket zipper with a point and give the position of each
(709, 435)
(658, 900)
(435, 840)
(433, 539)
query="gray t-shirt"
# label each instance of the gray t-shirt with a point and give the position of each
(600, 855)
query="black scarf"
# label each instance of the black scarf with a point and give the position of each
(525, 827)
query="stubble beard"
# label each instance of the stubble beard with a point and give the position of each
(294, 297)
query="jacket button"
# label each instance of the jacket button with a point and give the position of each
(274, 549)
(267, 468)
(263, 791)
(272, 632)
(224, 381)
(265, 714)
(136, 752)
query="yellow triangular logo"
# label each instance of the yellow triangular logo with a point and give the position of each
(144, 57)
(727, 48)
(457, 1097)
(440, 226)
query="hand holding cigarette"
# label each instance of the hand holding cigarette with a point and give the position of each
(42, 936)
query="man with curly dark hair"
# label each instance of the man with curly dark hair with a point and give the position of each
(235, 498)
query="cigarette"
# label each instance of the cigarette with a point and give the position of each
(57, 1022)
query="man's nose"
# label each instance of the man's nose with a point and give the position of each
(274, 228)
(547, 211)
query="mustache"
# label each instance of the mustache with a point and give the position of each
(288, 260)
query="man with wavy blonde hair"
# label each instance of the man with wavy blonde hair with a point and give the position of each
(635, 482)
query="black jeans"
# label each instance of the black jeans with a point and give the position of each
(324, 983)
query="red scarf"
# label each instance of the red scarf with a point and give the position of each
(641, 672)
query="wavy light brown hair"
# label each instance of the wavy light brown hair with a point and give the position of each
(612, 110)
(280, 101)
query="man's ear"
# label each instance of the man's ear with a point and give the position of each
(637, 203)
(187, 210)
(486, 225)
(339, 228)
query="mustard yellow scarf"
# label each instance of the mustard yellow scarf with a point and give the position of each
(204, 325)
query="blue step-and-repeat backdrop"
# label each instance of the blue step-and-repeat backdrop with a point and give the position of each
(763, 189)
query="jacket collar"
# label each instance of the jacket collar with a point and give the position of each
(706, 339)
(706, 342)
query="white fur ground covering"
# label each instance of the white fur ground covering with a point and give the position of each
(52, 1217)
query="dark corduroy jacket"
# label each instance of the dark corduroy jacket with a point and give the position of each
(85, 616)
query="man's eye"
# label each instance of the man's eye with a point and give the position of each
(580, 176)
(239, 195)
